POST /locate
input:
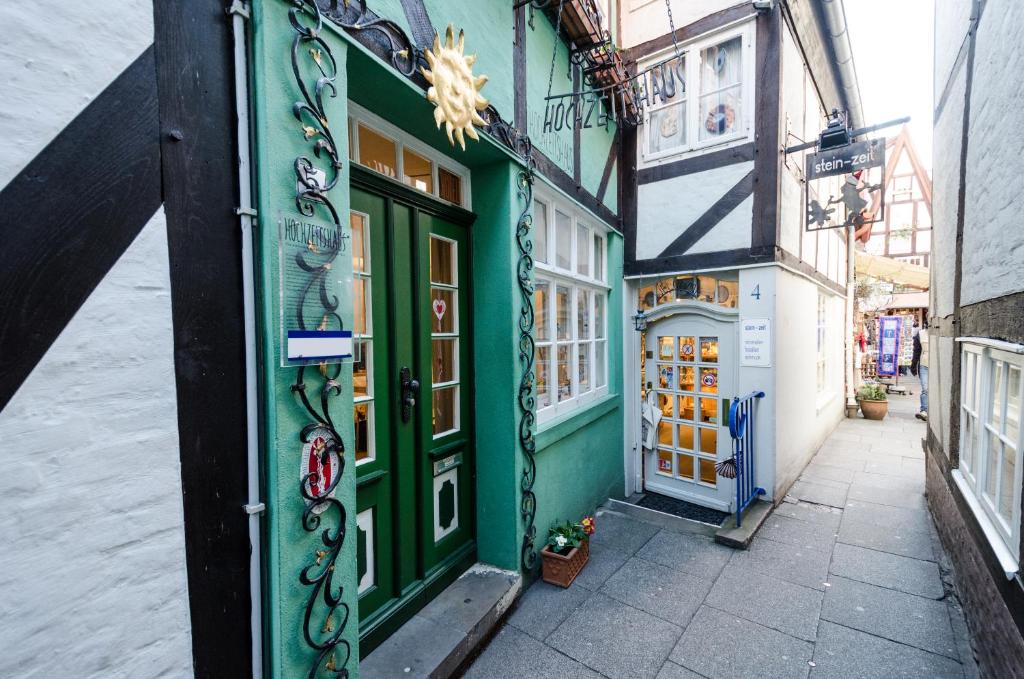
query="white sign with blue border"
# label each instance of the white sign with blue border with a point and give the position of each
(319, 345)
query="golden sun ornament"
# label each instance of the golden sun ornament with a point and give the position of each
(454, 91)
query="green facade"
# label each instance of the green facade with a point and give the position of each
(579, 456)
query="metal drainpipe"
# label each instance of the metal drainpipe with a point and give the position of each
(838, 36)
(239, 12)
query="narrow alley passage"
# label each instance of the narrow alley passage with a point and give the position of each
(846, 578)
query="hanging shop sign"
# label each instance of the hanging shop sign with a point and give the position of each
(756, 343)
(888, 345)
(454, 90)
(844, 185)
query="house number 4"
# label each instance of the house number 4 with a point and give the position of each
(757, 292)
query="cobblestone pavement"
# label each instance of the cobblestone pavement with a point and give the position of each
(845, 579)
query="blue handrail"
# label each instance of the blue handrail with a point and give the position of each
(741, 428)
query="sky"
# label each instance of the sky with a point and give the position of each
(892, 48)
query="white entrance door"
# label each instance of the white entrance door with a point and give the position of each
(690, 365)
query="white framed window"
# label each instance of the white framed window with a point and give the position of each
(570, 306)
(362, 339)
(822, 363)
(377, 144)
(989, 473)
(704, 97)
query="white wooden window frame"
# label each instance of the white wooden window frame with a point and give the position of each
(979, 357)
(357, 115)
(692, 51)
(455, 334)
(596, 348)
(366, 275)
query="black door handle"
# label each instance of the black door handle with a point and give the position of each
(410, 388)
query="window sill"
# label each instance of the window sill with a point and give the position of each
(1007, 562)
(557, 429)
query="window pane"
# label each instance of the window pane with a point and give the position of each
(541, 290)
(707, 471)
(709, 410)
(564, 374)
(708, 440)
(665, 348)
(563, 241)
(728, 293)
(540, 231)
(582, 250)
(709, 349)
(582, 314)
(599, 315)
(377, 152)
(363, 430)
(1006, 485)
(598, 257)
(687, 348)
(583, 359)
(995, 451)
(686, 407)
(542, 367)
(360, 253)
(686, 378)
(600, 361)
(720, 65)
(686, 437)
(445, 366)
(685, 470)
(359, 286)
(446, 409)
(666, 129)
(442, 310)
(670, 79)
(665, 376)
(709, 380)
(664, 462)
(562, 301)
(707, 286)
(361, 369)
(417, 170)
(1013, 405)
(442, 261)
(665, 433)
(449, 186)
(720, 113)
(998, 389)
(665, 404)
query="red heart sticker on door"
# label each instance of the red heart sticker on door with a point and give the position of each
(439, 308)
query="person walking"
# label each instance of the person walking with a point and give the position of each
(919, 367)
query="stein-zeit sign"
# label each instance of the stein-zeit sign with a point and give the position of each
(626, 100)
(860, 155)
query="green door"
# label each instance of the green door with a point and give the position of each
(413, 443)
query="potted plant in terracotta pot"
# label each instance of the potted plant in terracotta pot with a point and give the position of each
(567, 551)
(873, 401)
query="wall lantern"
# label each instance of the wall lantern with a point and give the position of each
(639, 320)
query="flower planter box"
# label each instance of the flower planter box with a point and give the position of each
(874, 410)
(561, 570)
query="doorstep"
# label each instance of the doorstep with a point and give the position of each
(435, 641)
(671, 522)
(752, 519)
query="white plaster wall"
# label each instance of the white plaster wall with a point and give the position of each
(952, 21)
(644, 20)
(731, 233)
(993, 247)
(763, 280)
(803, 417)
(92, 569)
(54, 61)
(945, 182)
(666, 208)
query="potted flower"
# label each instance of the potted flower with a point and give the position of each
(873, 401)
(567, 551)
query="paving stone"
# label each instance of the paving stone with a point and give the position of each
(798, 565)
(622, 532)
(844, 653)
(418, 648)
(694, 554)
(892, 466)
(888, 496)
(615, 639)
(544, 607)
(821, 492)
(720, 645)
(911, 465)
(664, 592)
(886, 538)
(908, 619)
(800, 533)
(839, 460)
(515, 655)
(604, 560)
(777, 604)
(827, 472)
(899, 482)
(888, 517)
(821, 515)
(913, 576)
(670, 670)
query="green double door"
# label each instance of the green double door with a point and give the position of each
(412, 382)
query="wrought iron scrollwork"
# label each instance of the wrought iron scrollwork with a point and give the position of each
(316, 386)
(526, 400)
(354, 15)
